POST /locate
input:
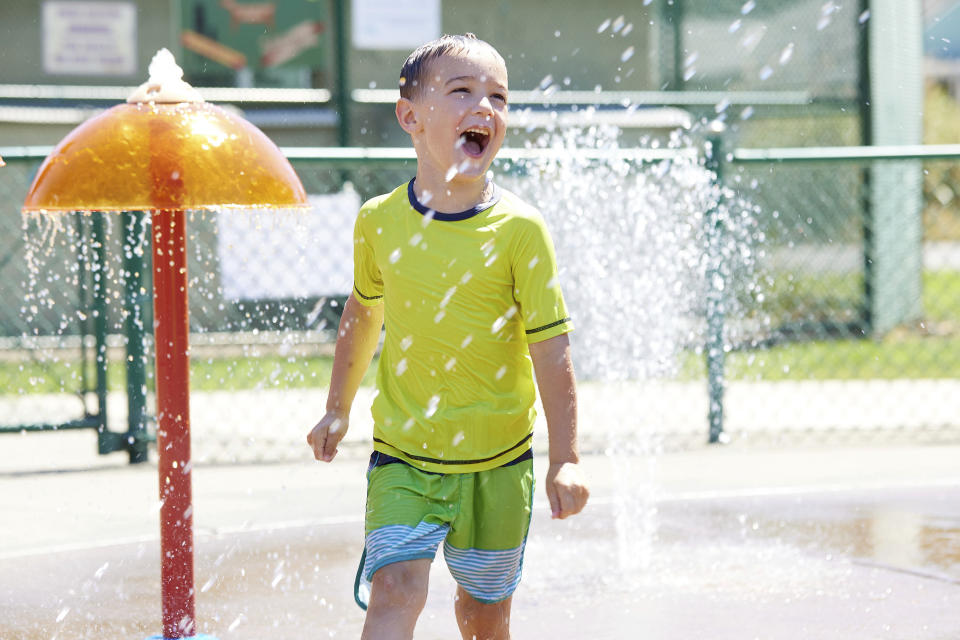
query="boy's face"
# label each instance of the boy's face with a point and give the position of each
(460, 117)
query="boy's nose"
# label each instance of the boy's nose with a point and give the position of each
(484, 105)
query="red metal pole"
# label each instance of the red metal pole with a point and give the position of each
(171, 333)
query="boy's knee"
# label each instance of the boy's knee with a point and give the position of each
(480, 620)
(402, 584)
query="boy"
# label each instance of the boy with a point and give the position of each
(465, 276)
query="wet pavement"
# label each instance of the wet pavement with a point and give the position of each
(717, 543)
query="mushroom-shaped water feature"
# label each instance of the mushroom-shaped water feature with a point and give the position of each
(166, 152)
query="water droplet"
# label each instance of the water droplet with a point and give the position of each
(766, 72)
(401, 367)
(502, 371)
(432, 406)
(786, 54)
(747, 7)
(603, 25)
(466, 341)
(395, 255)
(446, 298)
(451, 174)
(735, 26)
(627, 54)
(458, 438)
(864, 16)
(406, 343)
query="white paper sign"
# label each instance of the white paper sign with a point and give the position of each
(90, 38)
(395, 24)
(283, 254)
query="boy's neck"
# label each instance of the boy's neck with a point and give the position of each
(451, 197)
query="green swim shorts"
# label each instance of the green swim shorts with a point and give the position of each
(482, 518)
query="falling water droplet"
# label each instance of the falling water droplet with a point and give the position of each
(786, 54)
(747, 7)
(432, 406)
(627, 54)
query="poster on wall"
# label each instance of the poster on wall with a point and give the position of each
(394, 24)
(89, 38)
(278, 43)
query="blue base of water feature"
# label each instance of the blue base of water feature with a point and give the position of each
(200, 636)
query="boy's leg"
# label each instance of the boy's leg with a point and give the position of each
(480, 621)
(407, 517)
(397, 595)
(484, 549)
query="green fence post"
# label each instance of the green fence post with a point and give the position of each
(136, 298)
(82, 263)
(342, 53)
(105, 440)
(893, 228)
(713, 232)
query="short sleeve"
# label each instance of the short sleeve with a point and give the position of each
(367, 278)
(536, 285)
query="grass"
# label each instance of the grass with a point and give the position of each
(931, 351)
(208, 374)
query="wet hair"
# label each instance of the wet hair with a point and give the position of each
(415, 68)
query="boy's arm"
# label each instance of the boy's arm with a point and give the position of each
(566, 488)
(357, 340)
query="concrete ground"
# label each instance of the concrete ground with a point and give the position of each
(722, 542)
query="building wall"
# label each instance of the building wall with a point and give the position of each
(21, 43)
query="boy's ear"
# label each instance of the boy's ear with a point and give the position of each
(407, 116)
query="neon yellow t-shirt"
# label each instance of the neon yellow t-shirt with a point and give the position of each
(464, 294)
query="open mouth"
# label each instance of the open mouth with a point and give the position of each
(474, 141)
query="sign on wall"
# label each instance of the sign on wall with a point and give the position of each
(90, 38)
(269, 39)
(394, 24)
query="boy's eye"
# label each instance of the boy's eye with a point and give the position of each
(500, 97)
(460, 90)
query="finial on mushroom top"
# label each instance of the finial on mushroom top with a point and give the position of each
(166, 84)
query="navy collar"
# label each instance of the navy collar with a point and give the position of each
(451, 217)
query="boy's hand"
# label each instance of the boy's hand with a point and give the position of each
(325, 436)
(566, 489)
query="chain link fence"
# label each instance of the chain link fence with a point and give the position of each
(807, 256)
(852, 333)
